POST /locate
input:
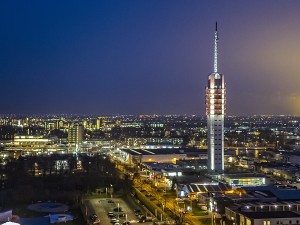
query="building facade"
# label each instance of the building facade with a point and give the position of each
(244, 179)
(215, 111)
(76, 134)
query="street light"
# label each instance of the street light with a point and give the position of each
(213, 217)
(111, 191)
(118, 210)
(163, 206)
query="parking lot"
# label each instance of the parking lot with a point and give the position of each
(102, 206)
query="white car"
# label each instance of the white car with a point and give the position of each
(111, 214)
(114, 220)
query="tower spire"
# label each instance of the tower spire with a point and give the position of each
(216, 50)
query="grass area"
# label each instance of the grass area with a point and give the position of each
(198, 212)
(170, 194)
(207, 221)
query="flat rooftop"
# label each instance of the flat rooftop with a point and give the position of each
(243, 175)
(274, 214)
(164, 151)
(282, 194)
(210, 187)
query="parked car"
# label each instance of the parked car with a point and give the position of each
(118, 209)
(145, 219)
(142, 216)
(126, 223)
(137, 212)
(93, 217)
(111, 214)
(114, 220)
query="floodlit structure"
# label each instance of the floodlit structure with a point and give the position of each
(215, 111)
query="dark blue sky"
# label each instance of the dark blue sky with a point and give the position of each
(144, 57)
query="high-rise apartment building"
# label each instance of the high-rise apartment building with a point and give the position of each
(76, 134)
(215, 111)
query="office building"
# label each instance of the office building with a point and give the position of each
(76, 134)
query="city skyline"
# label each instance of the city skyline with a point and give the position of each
(147, 57)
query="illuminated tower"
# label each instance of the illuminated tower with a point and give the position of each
(215, 110)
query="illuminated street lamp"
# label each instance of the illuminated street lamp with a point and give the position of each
(118, 210)
(163, 206)
(213, 216)
(111, 191)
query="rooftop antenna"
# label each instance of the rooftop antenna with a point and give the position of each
(216, 50)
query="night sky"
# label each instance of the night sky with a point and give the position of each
(148, 56)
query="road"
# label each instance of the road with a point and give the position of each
(170, 203)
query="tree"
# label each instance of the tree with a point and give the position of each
(58, 133)
(174, 183)
(179, 215)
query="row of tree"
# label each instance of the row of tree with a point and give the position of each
(38, 177)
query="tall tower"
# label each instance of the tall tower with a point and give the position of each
(215, 111)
